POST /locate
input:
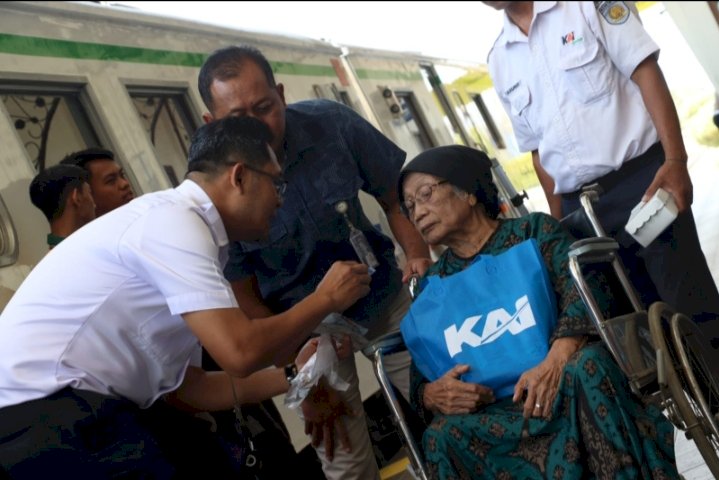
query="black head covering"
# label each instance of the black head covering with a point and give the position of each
(463, 167)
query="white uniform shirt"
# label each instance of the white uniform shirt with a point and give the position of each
(567, 88)
(101, 311)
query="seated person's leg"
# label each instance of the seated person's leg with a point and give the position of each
(597, 427)
(360, 463)
(620, 437)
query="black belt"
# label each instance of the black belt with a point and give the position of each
(611, 179)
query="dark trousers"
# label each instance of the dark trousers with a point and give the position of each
(84, 435)
(672, 268)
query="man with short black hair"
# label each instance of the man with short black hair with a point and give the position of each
(102, 339)
(62, 193)
(110, 187)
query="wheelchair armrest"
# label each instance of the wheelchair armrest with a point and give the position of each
(593, 250)
(386, 344)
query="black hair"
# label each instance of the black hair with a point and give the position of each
(228, 141)
(50, 188)
(226, 63)
(83, 157)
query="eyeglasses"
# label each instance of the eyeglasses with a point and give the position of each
(421, 196)
(277, 180)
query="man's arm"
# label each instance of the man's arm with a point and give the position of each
(203, 391)
(547, 183)
(249, 298)
(416, 251)
(247, 293)
(673, 175)
(241, 346)
(212, 391)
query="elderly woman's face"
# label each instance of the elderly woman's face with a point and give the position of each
(433, 207)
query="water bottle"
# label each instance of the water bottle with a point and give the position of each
(358, 240)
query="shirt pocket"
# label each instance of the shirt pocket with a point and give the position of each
(519, 99)
(332, 189)
(586, 70)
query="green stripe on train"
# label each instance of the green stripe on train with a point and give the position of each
(366, 74)
(49, 47)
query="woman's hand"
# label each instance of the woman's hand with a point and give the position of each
(450, 396)
(542, 381)
(415, 267)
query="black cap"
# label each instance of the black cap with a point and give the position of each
(463, 167)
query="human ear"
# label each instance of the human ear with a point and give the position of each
(281, 91)
(75, 197)
(236, 175)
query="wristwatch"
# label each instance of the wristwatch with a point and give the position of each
(290, 372)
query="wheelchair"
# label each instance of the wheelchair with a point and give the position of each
(387, 345)
(661, 351)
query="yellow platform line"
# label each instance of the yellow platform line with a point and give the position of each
(394, 468)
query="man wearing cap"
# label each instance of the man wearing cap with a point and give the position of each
(110, 187)
(100, 344)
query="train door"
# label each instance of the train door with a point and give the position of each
(489, 122)
(408, 123)
(434, 83)
(167, 118)
(460, 122)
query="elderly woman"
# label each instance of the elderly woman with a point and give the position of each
(570, 416)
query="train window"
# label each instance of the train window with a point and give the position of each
(330, 91)
(342, 96)
(8, 238)
(167, 118)
(319, 91)
(51, 121)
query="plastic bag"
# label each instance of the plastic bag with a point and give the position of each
(338, 325)
(323, 362)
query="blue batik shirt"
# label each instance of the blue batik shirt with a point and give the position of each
(331, 154)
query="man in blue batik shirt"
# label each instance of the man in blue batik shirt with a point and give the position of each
(328, 154)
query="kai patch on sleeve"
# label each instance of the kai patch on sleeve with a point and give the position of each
(615, 13)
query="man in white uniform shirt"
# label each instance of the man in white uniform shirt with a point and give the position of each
(103, 333)
(581, 84)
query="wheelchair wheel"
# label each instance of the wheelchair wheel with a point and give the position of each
(697, 374)
(681, 401)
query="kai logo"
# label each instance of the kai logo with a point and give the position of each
(498, 323)
(615, 13)
(570, 39)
